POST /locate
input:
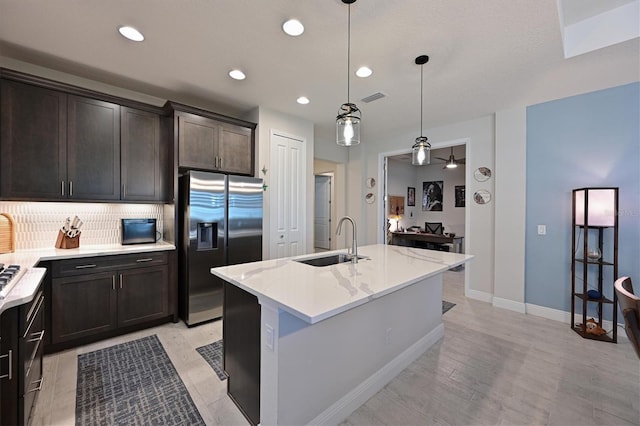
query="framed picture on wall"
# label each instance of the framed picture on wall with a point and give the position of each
(432, 196)
(396, 205)
(411, 196)
(460, 195)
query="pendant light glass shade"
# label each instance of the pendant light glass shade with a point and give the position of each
(348, 119)
(348, 125)
(421, 150)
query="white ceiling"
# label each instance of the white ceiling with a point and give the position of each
(485, 55)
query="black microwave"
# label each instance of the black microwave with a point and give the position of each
(138, 231)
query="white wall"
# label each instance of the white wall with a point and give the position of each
(510, 208)
(270, 120)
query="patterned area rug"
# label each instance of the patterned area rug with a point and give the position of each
(212, 353)
(446, 306)
(133, 383)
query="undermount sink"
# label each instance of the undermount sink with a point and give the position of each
(332, 259)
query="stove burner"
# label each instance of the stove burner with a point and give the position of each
(8, 277)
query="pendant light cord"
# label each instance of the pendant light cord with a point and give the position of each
(348, 54)
(421, 96)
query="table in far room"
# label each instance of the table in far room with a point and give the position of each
(411, 238)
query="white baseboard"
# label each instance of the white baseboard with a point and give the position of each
(479, 295)
(511, 305)
(346, 405)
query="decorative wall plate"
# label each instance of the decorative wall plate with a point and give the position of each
(482, 174)
(370, 198)
(482, 196)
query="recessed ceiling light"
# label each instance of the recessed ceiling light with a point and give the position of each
(303, 100)
(293, 27)
(130, 33)
(364, 72)
(237, 75)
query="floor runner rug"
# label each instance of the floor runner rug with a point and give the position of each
(132, 383)
(212, 353)
(446, 306)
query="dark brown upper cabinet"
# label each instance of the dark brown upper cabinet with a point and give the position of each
(33, 142)
(212, 142)
(143, 158)
(60, 142)
(93, 149)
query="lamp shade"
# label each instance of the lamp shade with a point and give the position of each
(348, 125)
(595, 206)
(421, 152)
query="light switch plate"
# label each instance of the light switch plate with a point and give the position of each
(542, 229)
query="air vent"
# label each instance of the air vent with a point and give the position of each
(374, 97)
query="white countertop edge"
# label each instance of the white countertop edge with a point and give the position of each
(25, 291)
(109, 250)
(312, 319)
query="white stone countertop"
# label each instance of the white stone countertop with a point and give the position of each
(23, 290)
(315, 293)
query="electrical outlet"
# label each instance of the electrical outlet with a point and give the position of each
(542, 229)
(269, 337)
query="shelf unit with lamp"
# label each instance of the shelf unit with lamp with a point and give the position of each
(594, 261)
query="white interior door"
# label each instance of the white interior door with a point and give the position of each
(322, 213)
(287, 197)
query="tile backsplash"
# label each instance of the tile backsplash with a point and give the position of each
(37, 223)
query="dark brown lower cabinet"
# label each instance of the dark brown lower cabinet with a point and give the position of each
(96, 298)
(21, 348)
(241, 350)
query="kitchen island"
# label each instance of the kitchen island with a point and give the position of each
(333, 336)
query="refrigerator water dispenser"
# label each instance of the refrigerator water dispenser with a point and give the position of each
(207, 235)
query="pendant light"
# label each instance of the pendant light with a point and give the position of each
(421, 150)
(348, 119)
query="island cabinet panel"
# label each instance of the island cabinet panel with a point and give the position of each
(103, 296)
(93, 149)
(33, 137)
(144, 169)
(241, 337)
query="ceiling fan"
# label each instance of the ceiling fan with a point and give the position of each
(451, 162)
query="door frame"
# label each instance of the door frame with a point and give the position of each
(383, 195)
(332, 219)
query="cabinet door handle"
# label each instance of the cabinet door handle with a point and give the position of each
(113, 282)
(146, 259)
(120, 280)
(220, 165)
(62, 188)
(38, 387)
(87, 266)
(124, 190)
(36, 339)
(70, 188)
(9, 375)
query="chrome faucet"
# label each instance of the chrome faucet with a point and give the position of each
(354, 244)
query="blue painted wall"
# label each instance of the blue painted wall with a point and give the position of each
(581, 141)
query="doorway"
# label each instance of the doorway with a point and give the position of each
(322, 213)
(401, 180)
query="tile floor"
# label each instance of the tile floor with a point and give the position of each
(493, 367)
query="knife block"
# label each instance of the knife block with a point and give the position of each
(65, 242)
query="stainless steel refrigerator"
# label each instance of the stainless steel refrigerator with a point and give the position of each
(220, 222)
